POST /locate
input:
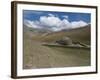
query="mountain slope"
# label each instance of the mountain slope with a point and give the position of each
(79, 34)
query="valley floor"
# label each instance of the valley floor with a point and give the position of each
(39, 56)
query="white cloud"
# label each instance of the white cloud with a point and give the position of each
(76, 24)
(66, 17)
(50, 21)
(54, 23)
(28, 23)
(32, 24)
(51, 15)
(64, 24)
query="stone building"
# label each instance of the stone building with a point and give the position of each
(65, 41)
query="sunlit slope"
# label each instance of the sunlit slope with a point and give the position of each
(82, 34)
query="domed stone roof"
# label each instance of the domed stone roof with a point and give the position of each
(64, 41)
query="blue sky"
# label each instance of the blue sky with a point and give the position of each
(72, 16)
(55, 21)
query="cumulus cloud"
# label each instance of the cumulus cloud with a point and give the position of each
(54, 23)
(66, 17)
(50, 21)
(51, 15)
(33, 24)
(76, 24)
